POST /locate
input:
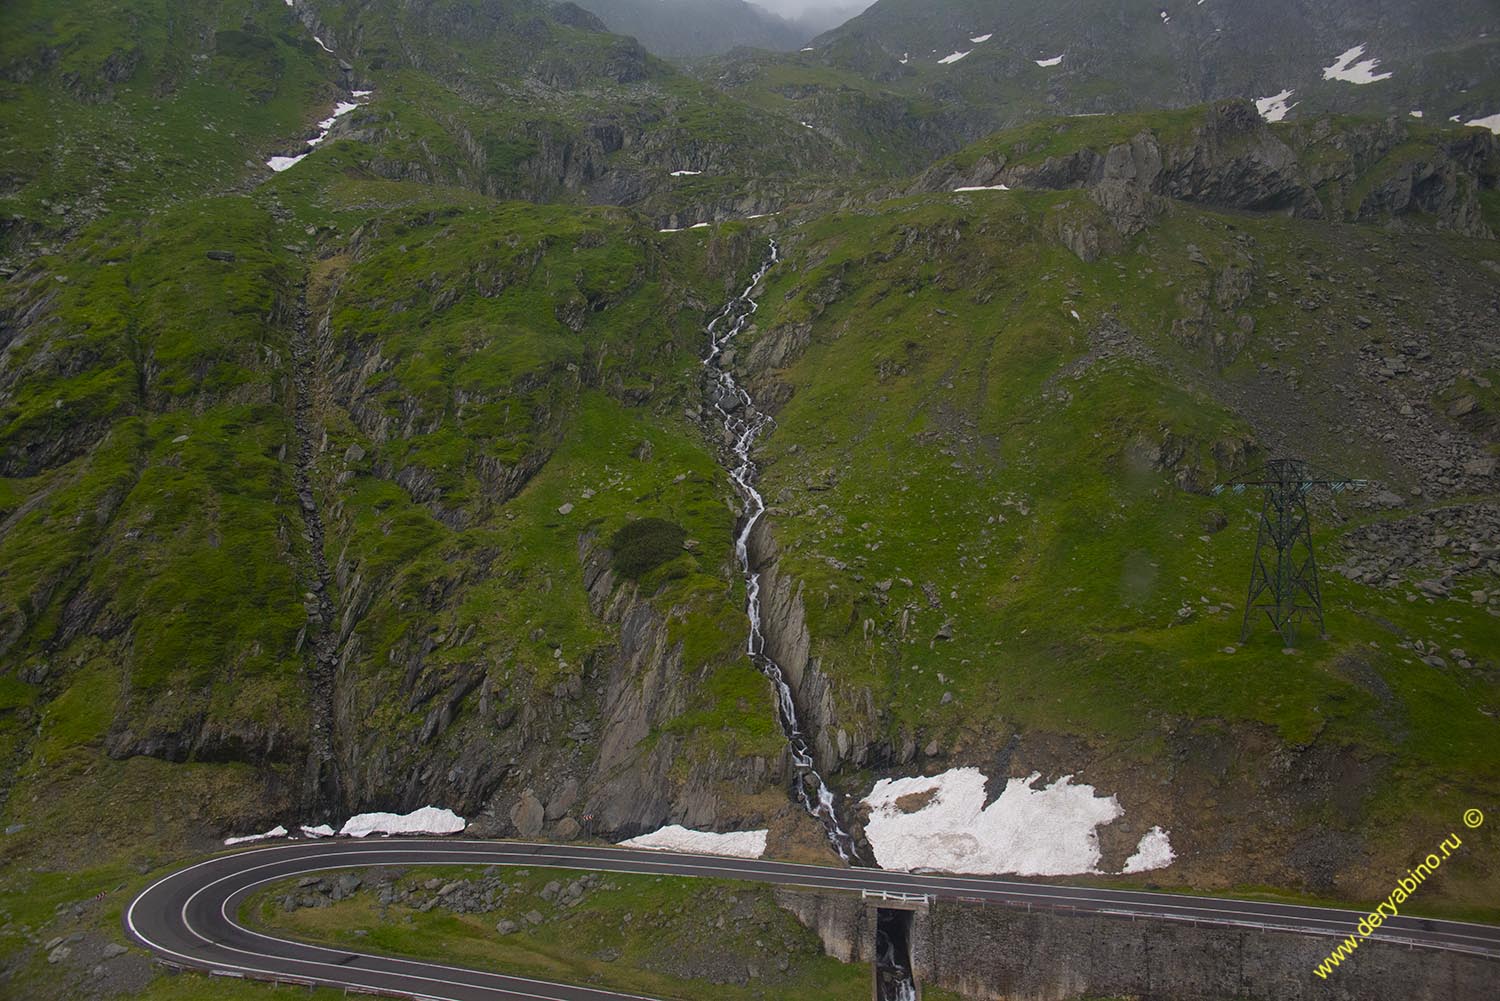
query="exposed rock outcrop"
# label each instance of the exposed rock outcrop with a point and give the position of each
(1235, 160)
(636, 782)
(784, 624)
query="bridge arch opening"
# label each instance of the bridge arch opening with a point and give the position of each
(893, 975)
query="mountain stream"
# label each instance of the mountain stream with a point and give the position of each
(743, 423)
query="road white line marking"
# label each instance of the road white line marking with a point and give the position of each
(294, 860)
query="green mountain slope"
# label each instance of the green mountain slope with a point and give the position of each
(105, 108)
(391, 478)
(114, 110)
(990, 498)
(986, 66)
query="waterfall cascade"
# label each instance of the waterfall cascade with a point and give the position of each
(744, 422)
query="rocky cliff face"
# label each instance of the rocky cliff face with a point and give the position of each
(787, 642)
(1234, 160)
(639, 778)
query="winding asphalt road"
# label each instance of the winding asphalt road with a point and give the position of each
(189, 917)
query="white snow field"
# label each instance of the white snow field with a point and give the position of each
(427, 820)
(276, 832)
(1027, 831)
(342, 108)
(981, 187)
(1045, 63)
(981, 38)
(1153, 852)
(1346, 68)
(686, 173)
(1275, 107)
(740, 844)
(321, 831)
(954, 57)
(339, 110)
(1492, 123)
(280, 163)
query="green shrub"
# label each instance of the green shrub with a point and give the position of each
(645, 544)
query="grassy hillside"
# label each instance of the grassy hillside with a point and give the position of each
(991, 479)
(108, 108)
(640, 934)
(389, 479)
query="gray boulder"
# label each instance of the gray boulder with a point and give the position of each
(527, 815)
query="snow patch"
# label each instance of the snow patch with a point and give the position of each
(1166, 18)
(1275, 107)
(280, 163)
(276, 832)
(321, 831)
(321, 44)
(699, 225)
(1028, 831)
(1416, 114)
(954, 57)
(1153, 852)
(339, 110)
(427, 820)
(1345, 68)
(686, 173)
(740, 844)
(1492, 123)
(1044, 63)
(982, 38)
(981, 187)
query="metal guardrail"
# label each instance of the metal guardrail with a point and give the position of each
(894, 896)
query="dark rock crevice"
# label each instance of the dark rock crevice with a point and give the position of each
(324, 788)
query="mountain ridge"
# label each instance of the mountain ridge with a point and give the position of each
(394, 478)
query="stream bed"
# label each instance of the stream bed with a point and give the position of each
(743, 423)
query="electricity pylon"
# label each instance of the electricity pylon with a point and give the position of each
(1284, 584)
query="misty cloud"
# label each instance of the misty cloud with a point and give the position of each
(821, 12)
